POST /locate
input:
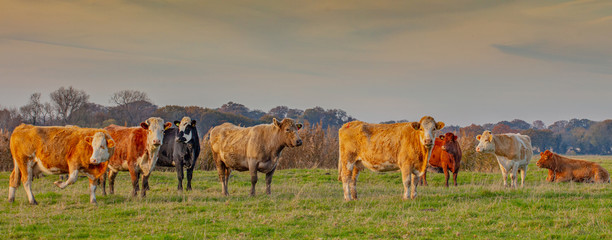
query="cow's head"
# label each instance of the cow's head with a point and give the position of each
(288, 130)
(449, 142)
(426, 127)
(485, 144)
(155, 127)
(103, 147)
(187, 130)
(546, 160)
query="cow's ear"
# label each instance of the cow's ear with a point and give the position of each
(110, 143)
(89, 139)
(177, 123)
(542, 154)
(439, 125)
(299, 126)
(478, 137)
(144, 125)
(193, 123)
(167, 125)
(441, 137)
(415, 125)
(276, 123)
(490, 137)
(455, 138)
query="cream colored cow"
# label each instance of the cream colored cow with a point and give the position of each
(513, 153)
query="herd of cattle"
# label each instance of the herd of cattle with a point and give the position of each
(411, 148)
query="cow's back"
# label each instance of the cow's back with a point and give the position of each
(230, 140)
(130, 144)
(515, 147)
(379, 146)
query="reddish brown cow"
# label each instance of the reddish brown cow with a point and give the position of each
(136, 152)
(446, 155)
(562, 169)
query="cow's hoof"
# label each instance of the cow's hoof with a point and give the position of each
(58, 184)
(34, 203)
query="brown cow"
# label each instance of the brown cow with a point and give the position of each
(58, 150)
(562, 169)
(137, 149)
(446, 155)
(385, 147)
(254, 149)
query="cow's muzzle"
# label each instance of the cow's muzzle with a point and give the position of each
(157, 142)
(93, 161)
(428, 143)
(298, 143)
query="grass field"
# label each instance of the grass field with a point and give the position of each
(308, 204)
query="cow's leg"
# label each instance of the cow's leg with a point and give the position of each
(103, 181)
(413, 185)
(353, 184)
(253, 171)
(14, 182)
(514, 174)
(523, 174)
(72, 177)
(406, 180)
(221, 170)
(424, 179)
(226, 180)
(446, 175)
(455, 176)
(346, 177)
(179, 175)
(135, 177)
(93, 183)
(27, 184)
(111, 181)
(269, 181)
(189, 176)
(551, 175)
(145, 184)
(504, 173)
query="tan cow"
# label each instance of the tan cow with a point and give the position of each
(58, 150)
(137, 150)
(254, 149)
(385, 147)
(513, 153)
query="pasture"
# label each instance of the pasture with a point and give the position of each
(308, 204)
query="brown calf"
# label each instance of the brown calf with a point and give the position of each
(446, 155)
(562, 169)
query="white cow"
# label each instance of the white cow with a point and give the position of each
(513, 153)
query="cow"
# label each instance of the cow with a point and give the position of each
(563, 169)
(58, 150)
(513, 153)
(252, 149)
(385, 147)
(445, 156)
(136, 152)
(181, 148)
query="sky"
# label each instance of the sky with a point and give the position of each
(460, 61)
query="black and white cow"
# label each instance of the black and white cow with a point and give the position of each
(180, 148)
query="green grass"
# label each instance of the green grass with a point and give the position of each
(307, 203)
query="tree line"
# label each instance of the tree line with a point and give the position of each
(129, 107)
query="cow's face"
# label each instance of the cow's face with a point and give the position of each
(187, 130)
(485, 144)
(545, 159)
(155, 127)
(449, 142)
(289, 132)
(426, 127)
(103, 147)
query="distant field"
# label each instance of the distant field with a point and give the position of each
(307, 203)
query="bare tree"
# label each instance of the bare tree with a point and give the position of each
(33, 111)
(67, 100)
(129, 96)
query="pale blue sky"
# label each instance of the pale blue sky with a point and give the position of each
(462, 61)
